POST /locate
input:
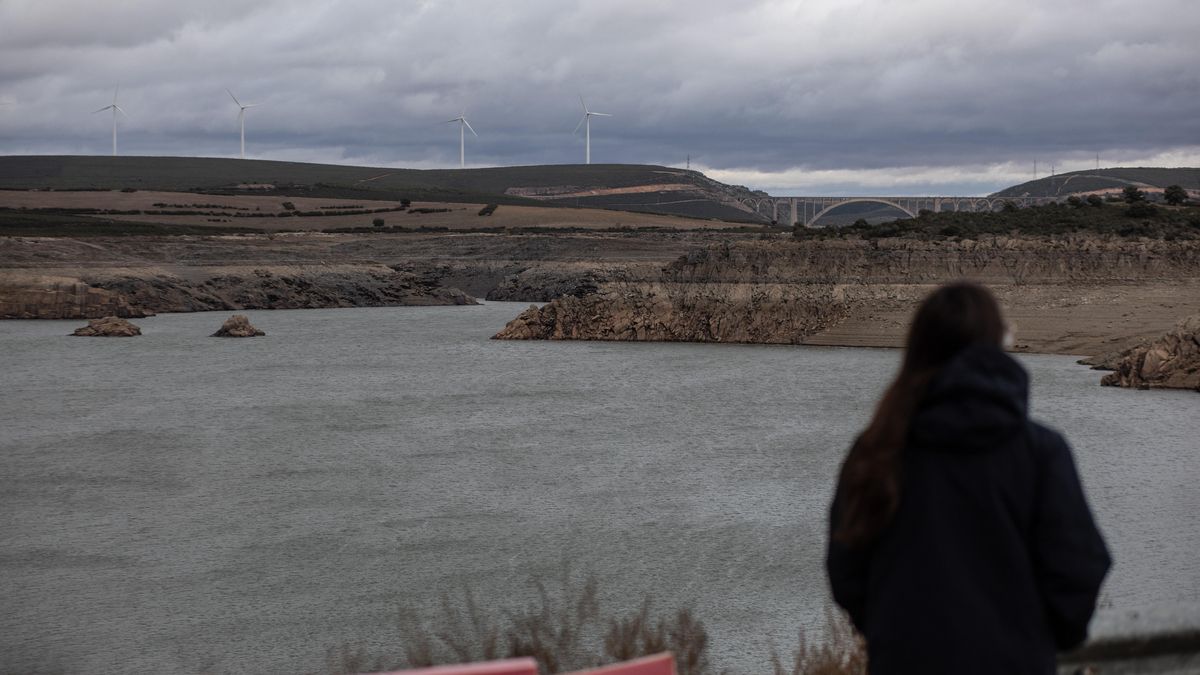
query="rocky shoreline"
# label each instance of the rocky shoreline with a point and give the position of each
(140, 292)
(1071, 295)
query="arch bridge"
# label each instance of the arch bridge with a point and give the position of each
(807, 211)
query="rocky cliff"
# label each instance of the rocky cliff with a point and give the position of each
(41, 297)
(675, 312)
(1170, 361)
(138, 292)
(1066, 295)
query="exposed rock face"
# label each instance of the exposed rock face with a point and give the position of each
(1171, 361)
(63, 298)
(238, 325)
(136, 293)
(669, 312)
(541, 285)
(863, 292)
(109, 326)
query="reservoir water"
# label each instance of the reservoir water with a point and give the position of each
(175, 503)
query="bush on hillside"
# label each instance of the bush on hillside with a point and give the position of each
(1175, 195)
(1132, 194)
(1095, 200)
(1141, 210)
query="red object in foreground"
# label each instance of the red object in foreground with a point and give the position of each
(524, 666)
(659, 664)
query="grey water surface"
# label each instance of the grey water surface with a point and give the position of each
(180, 503)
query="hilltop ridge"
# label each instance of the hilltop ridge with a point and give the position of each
(1105, 180)
(626, 187)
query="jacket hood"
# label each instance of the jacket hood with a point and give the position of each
(980, 397)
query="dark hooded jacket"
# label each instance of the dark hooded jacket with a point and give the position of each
(992, 562)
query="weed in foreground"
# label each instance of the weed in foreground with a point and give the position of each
(566, 630)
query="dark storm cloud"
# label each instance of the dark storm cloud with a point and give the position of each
(817, 96)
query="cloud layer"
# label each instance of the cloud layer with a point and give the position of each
(819, 96)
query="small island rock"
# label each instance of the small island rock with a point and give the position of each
(109, 326)
(238, 326)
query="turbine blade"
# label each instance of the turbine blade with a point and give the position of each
(121, 110)
(601, 114)
(581, 121)
(251, 105)
(453, 120)
(583, 104)
(115, 92)
(469, 127)
(233, 97)
(102, 109)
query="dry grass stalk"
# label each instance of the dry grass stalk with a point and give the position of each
(565, 630)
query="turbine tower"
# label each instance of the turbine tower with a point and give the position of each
(463, 125)
(114, 107)
(587, 122)
(241, 118)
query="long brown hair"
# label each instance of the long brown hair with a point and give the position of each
(951, 318)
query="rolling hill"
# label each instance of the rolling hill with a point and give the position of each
(642, 188)
(1103, 180)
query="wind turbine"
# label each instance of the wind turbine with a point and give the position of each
(241, 118)
(114, 107)
(463, 125)
(587, 122)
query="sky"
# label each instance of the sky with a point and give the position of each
(801, 97)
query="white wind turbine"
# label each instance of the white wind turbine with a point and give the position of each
(114, 107)
(242, 118)
(587, 122)
(463, 125)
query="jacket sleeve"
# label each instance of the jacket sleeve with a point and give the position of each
(1069, 555)
(847, 569)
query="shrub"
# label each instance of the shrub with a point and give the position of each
(1095, 200)
(1175, 195)
(378, 222)
(1141, 210)
(1075, 201)
(488, 210)
(1132, 194)
(128, 189)
(288, 206)
(406, 203)
(1009, 207)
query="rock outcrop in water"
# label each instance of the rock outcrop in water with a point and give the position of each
(238, 326)
(1171, 361)
(109, 326)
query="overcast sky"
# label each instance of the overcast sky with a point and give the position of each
(793, 97)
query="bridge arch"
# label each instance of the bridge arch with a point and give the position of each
(856, 200)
